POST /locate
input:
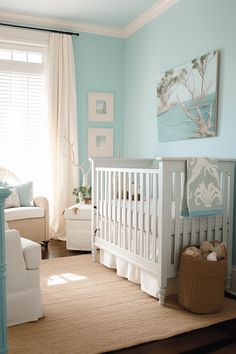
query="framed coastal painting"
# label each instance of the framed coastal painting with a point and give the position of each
(100, 107)
(100, 142)
(187, 99)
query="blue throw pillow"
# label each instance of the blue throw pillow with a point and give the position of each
(25, 193)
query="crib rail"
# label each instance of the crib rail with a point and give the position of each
(124, 199)
(137, 213)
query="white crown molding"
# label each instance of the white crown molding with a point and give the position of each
(148, 15)
(74, 26)
(63, 25)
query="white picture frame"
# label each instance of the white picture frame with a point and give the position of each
(100, 142)
(100, 107)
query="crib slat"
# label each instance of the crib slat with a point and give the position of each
(225, 188)
(194, 228)
(114, 206)
(101, 203)
(154, 218)
(105, 205)
(186, 222)
(109, 205)
(124, 233)
(130, 213)
(202, 227)
(217, 228)
(97, 205)
(230, 206)
(209, 229)
(147, 217)
(119, 211)
(135, 234)
(141, 214)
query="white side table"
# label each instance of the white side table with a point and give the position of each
(78, 227)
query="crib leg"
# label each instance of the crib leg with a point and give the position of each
(162, 295)
(94, 253)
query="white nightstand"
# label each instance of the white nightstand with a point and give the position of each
(78, 227)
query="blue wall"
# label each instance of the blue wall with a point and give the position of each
(99, 67)
(188, 29)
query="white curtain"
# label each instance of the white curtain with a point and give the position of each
(62, 129)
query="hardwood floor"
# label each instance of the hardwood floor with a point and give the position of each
(219, 339)
(57, 248)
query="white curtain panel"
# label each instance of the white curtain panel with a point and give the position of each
(62, 129)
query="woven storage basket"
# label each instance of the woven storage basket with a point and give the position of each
(201, 284)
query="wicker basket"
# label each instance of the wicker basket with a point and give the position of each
(201, 284)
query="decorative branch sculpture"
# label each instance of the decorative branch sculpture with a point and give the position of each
(85, 175)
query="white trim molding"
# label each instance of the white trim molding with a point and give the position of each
(121, 32)
(63, 25)
(147, 16)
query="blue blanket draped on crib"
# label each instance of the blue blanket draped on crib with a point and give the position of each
(202, 193)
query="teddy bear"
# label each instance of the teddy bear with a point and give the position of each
(192, 251)
(219, 248)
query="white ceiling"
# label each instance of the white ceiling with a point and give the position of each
(118, 18)
(115, 13)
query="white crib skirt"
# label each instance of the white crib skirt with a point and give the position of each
(127, 270)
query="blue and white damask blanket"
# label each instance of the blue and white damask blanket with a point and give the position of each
(202, 194)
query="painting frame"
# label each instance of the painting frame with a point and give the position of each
(100, 107)
(100, 142)
(187, 95)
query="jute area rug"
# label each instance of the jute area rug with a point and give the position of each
(89, 309)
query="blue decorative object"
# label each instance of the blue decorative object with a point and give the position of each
(203, 194)
(4, 193)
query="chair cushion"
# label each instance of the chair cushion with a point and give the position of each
(25, 193)
(31, 252)
(12, 201)
(23, 213)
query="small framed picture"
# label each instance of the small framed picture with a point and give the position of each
(100, 142)
(100, 107)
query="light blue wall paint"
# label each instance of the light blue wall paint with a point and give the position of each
(188, 29)
(99, 67)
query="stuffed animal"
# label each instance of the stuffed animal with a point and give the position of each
(220, 250)
(214, 246)
(192, 251)
(206, 248)
(212, 256)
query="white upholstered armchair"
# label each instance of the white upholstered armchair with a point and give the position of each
(31, 219)
(23, 294)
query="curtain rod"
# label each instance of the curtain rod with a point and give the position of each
(39, 29)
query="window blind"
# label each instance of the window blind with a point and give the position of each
(21, 109)
(23, 123)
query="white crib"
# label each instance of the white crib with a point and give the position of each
(137, 218)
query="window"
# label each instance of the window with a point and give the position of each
(23, 119)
